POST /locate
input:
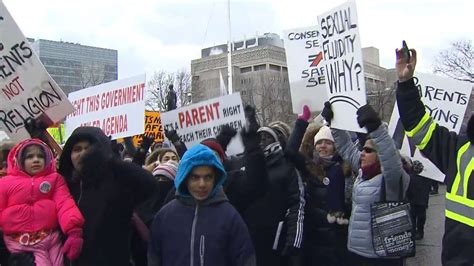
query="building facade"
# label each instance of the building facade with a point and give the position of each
(74, 66)
(260, 74)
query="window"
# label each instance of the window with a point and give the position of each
(274, 67)
(246, 69)
(260, 67)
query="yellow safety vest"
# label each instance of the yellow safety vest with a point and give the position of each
(458, 206)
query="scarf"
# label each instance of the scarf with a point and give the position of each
(371, 170)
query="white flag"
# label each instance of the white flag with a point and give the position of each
(222, 87)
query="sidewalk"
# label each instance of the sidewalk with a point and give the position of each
(428, 250)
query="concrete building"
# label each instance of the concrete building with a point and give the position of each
(74, 66)
(261, 75)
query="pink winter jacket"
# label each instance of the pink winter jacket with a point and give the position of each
(39, 202)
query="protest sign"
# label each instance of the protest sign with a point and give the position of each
(58, 133)
(117, 107)
(153, 128)
(446, 101)
(26, 89)
(197, 122)
(343, 66)
(305, 71)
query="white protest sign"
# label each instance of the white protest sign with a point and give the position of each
(197, 122)
(26, 89)
(343, 66)
(446, 101)
(117, 107)
(305, 71)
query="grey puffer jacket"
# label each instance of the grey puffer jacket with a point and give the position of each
(367, 191)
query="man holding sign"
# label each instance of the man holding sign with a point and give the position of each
(450, 152)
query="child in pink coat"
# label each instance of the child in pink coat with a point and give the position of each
(35, 206)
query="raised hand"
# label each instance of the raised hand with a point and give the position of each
(405, 64)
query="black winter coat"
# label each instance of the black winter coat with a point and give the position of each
(106, 191)
(419, 190)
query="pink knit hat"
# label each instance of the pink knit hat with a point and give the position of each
(167, 169)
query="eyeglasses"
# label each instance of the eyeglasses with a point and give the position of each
(368, 150)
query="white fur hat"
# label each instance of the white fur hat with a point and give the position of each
(323, 133)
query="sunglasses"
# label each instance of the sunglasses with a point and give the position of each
(368, 150)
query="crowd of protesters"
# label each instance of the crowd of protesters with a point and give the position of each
(294, 197)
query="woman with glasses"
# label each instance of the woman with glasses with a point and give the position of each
(378, 162)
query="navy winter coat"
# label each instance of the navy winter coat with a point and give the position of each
(211, 232)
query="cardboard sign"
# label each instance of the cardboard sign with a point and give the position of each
(446, 101)
(26, 89)
(197, 122)
(343, 66)
(153, 128)
(117, 107)
(305, 69)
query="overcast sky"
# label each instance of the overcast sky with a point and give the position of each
(153, 35)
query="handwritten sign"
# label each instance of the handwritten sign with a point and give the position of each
(446, 101)
(117, 107)
(26, 89)
(343, 65)
(305, 68)
(197, 122)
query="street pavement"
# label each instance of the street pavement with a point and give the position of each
(428, 250)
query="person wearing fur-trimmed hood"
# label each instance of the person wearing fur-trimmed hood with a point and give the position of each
(200, 226)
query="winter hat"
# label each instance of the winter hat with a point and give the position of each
(282, 130)
(167, 169)
(323, 133)
(470, 129)
(215, 146)
(269, 131)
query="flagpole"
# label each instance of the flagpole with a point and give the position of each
(229, 51)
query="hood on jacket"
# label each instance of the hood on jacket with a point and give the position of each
(100, 146)
(198, 155)
(14, 158)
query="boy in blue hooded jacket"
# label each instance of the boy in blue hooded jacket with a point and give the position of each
(200, 226)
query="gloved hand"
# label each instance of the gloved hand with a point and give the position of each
(306, 115)
(368, 118)
(327, 112)
(73, 245)
(250, 137)
(146, 143)
(172, 135)
(36, 128)
(225, 136)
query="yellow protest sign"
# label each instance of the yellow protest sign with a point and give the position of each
(153, 128)
(57, 133)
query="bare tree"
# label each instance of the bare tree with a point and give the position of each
(382, 100)
(457, 61)
(91, 75)
(268, 93)
(159, 87)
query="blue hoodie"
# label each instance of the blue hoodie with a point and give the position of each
(198, 155)
(209, 232)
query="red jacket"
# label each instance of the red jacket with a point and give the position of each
(39, 202)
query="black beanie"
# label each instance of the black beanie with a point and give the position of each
(470, 129)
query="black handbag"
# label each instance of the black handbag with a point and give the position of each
(392, 230)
